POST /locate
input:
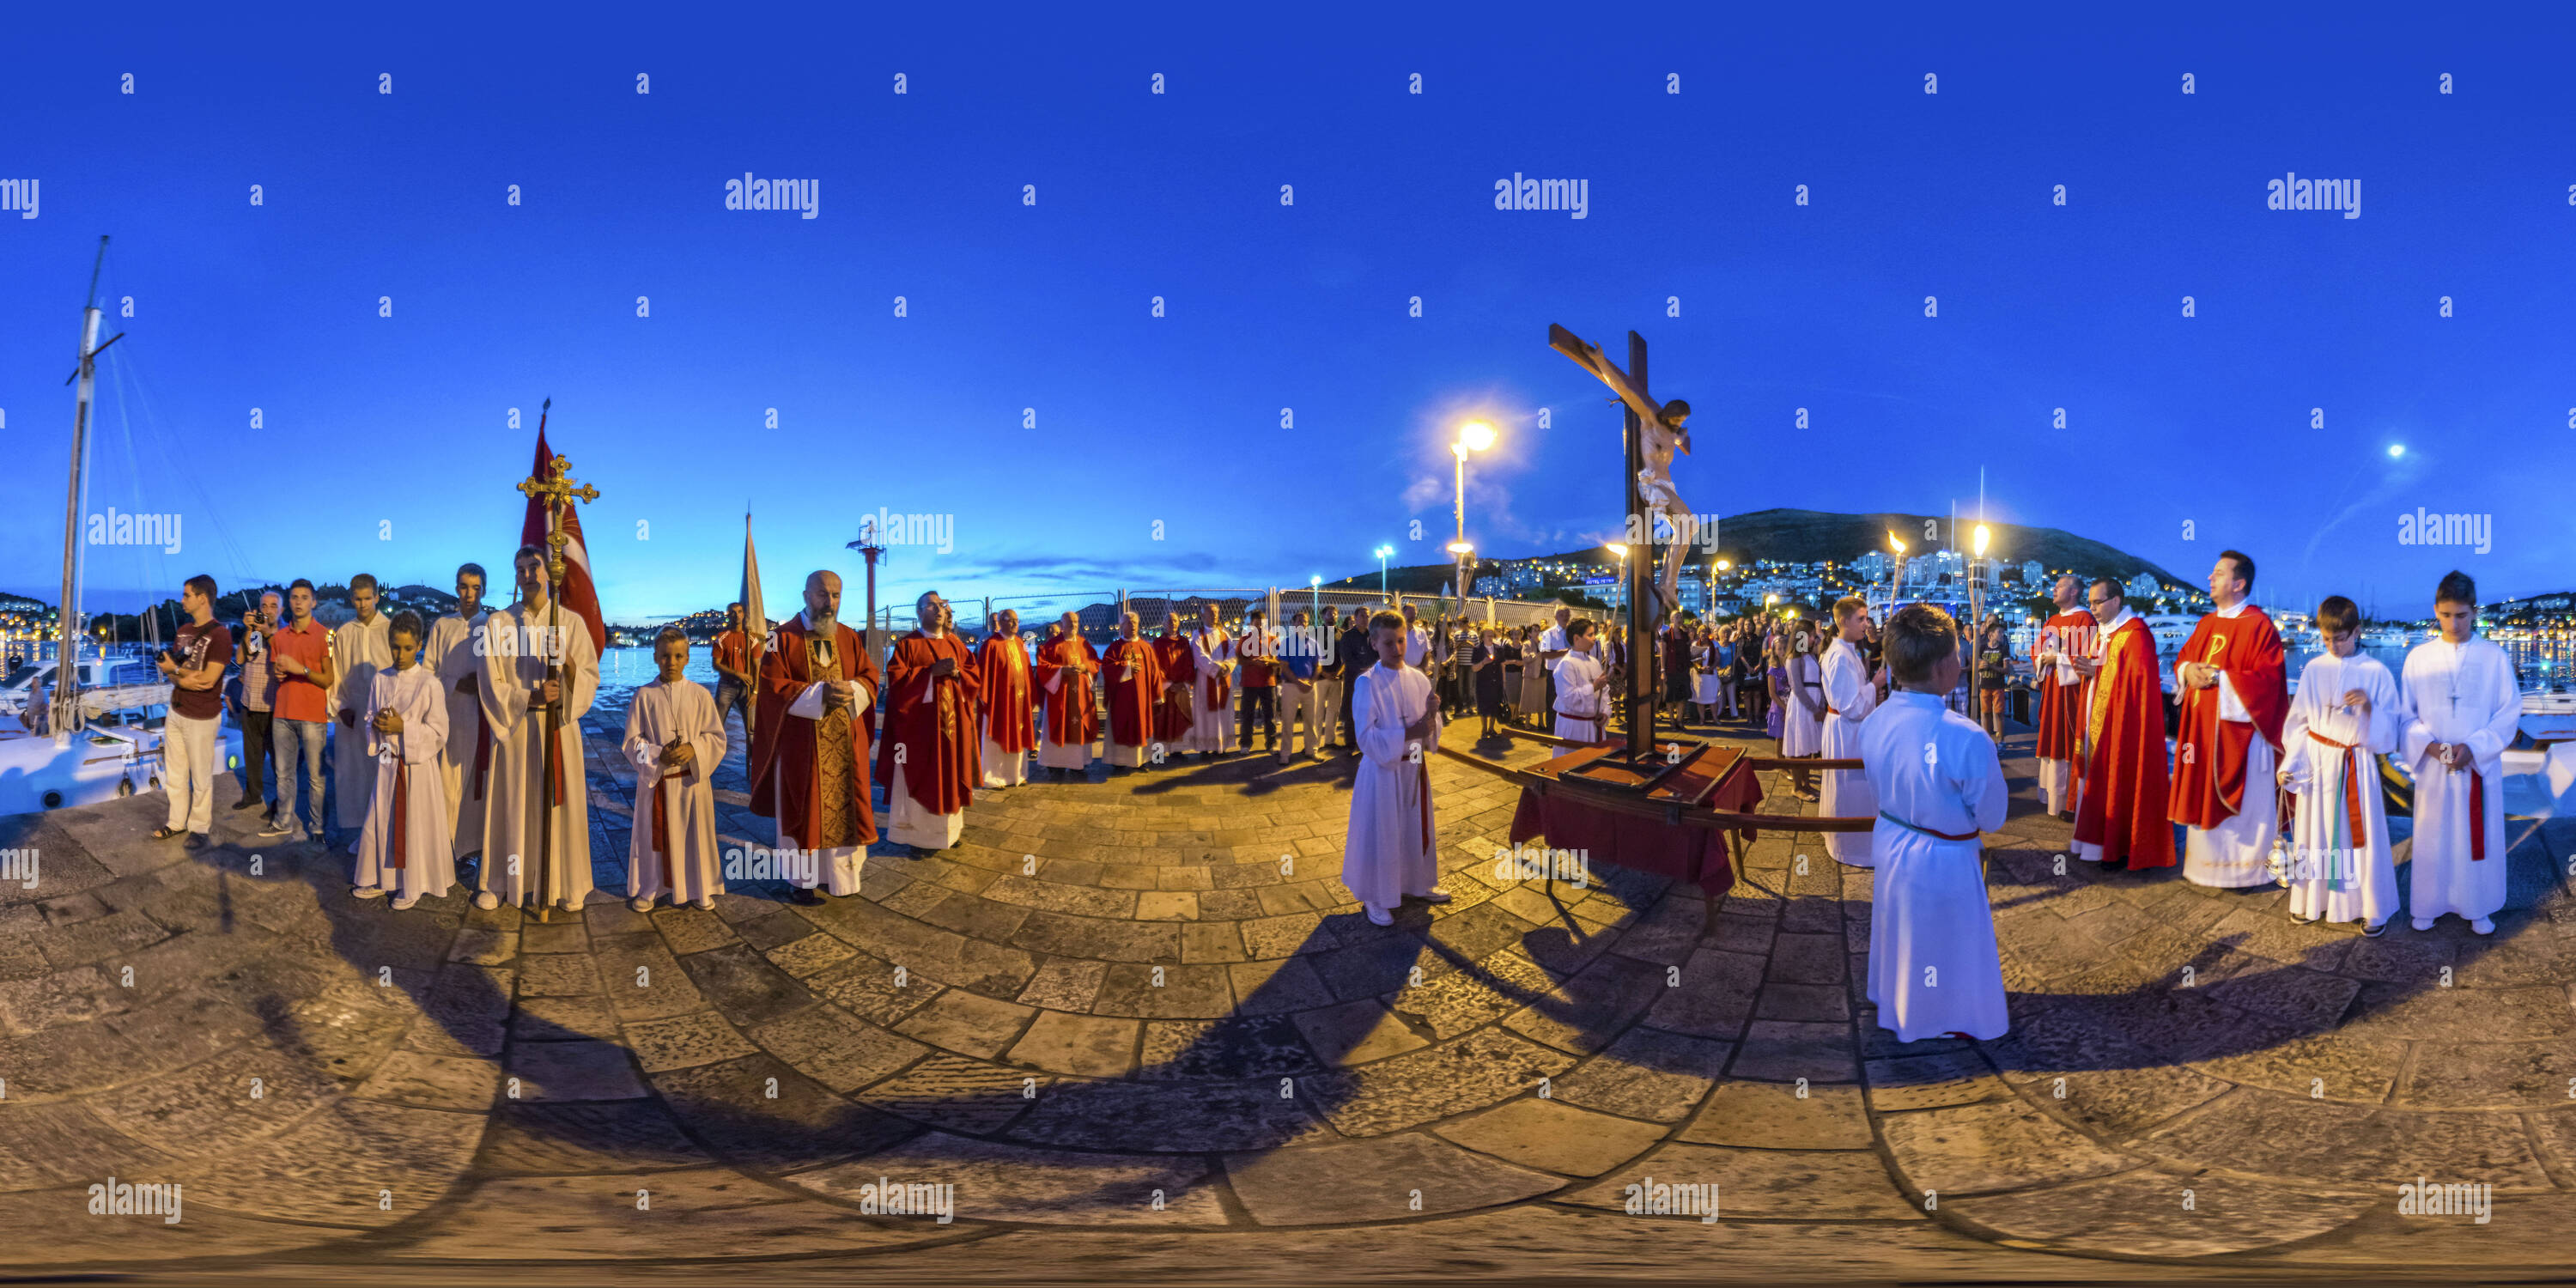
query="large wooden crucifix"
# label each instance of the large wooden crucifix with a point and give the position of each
(1654, 431)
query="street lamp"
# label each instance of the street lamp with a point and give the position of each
(1382, 552)
(1977, 622)
(1620, 549)
(1474, 436)
(1315, 600)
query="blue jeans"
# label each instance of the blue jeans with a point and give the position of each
(304, 736)
(729, 695)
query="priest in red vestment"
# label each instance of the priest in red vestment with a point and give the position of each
(1131, 671)
(1177, 708)
(2235, 694)
(2120, 822)
(1010, 706)
(1066, 663)
(809, 750)
(2065, 636)
(931, 758)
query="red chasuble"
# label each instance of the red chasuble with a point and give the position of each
(2061, 706)
(782, 748)
(1072, 721)
(2125, 789)
(1179, 666)
(2210, 753)
(1002, 672)
(1133, 703)
(932, 720)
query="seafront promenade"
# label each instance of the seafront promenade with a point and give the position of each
(1138, 1027)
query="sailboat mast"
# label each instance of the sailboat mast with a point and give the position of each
(67, 651)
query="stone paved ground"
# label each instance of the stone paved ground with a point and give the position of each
(1138, 1026)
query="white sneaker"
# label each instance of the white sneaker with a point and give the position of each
(1378, 916)
(487, 901)
(369, 892)
(641, 903)
(2423, 923)
(1434, 896)
(707, 905)
(2483, 926)
(405, 903)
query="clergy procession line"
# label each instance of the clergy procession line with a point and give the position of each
(440, 760)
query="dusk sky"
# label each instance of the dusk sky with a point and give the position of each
(398, 425)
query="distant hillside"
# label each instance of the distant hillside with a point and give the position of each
(1806, 536)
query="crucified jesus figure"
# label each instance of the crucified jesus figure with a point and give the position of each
(1664, 429)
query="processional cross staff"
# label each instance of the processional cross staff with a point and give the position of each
(556, 485)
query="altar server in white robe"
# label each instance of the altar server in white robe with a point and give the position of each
(453, 658)
(402, 843)
(1391, 850)
(1802, 717)
(359, 649)
(1933, 965)
(515, 690)
(2463, 707)
(2346, 714)
(1582, 685)
(1850, 695)
(1212, 731)
(675, 738)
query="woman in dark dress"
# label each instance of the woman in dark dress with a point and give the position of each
(1492, 650)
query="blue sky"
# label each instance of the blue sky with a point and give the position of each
(386, 446)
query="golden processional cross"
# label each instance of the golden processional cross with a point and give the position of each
(556, 485)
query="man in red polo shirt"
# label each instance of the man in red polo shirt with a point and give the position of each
(299, 655)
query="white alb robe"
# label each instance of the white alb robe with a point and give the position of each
(1802, 733)
(1212, 728)
(1582, 696)
(1849, 699)
(690, 868)
(1933, 964)
(411, 759)
(358, 650)
(516, 645)
(2334, 874)
(451, 657)
(1392, 848)
(2465, 694)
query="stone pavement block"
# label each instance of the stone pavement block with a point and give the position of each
(548, 1071)
(2120, 1104)
(836, 1049)
(1991, 1146)
(1780, 1051)
(1715, 998)
(336, 1167)
(1165, 992)
(1484, 1068)
(2141, 1214)
(563, 1019)
(1552, 1136)
(1357, 1032)
(757, 1112)
(2320, 1140)
(1375, 1180)
(1082, 1045)
(1168, 1116)
(1767, 1115)
(71, 1238)
(967, 1023)
(1584, 1013)
(584, 1138)
(1932, 1081)
(744, 985)
(465, 1083)
(1004, 1182)
(683, 1041)
(954, 1093)
(1774, 1184)
(1647, 1073)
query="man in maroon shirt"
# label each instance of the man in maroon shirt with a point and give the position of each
(194, 664)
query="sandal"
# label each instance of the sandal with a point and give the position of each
(168, 834)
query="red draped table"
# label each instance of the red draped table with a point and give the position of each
(1709, 780)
